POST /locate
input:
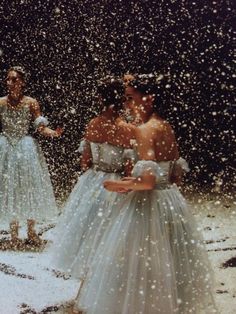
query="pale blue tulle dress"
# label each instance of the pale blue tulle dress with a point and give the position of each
(151, 258)
(87, 212)
(25, 188)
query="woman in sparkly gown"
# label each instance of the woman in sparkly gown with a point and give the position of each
(87, 210)
(150, 259)
(26, 191)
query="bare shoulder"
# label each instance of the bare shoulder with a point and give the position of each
(167, 147)
(95, 123)
(162, 126)
(93, 129)
(125, 126)
(125, 132)
(30, 101)
(3, 100)
(153, 128)
(159, 124)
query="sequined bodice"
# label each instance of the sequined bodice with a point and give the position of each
(15, 122)
(107, 157)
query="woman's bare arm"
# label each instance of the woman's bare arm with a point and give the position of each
(42, 128)
(146, 181)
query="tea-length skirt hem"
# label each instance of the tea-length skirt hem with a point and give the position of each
(26, 191)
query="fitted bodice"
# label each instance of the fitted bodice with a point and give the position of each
(107, 157)
(15, 122)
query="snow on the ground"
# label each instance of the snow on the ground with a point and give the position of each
(39, 290)
(27, 286)
(217, 220)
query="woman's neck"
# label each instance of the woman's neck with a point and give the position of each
(15, 98)
(142, 117)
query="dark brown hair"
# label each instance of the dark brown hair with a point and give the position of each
(156, 85)
(111, 89)
(20, 70)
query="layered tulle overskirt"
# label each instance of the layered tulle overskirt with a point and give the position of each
(83, 222)
(25, 188)
(150, 260)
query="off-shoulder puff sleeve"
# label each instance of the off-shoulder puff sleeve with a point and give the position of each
(150, 166)
(83, 145)
(40, 121)
(183, 164)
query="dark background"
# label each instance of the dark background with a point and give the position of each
(67, 45)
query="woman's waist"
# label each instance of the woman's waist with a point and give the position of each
(110, 168)
(15, 133)
(163, 186)
(13, 139)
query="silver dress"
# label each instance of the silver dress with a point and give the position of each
(25, 188)
(151, 258)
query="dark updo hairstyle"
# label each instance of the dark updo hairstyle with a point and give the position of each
(156, 85)
(20, 70)
(111, 90)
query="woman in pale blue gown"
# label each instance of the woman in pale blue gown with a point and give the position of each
(26, 191)
(150, 259)
(87, 210)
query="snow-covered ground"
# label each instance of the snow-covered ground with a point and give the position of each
(27, 286)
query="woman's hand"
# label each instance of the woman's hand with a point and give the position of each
(145, 182)
(128, 179)
(58, 132)
(115, 186)
(45, 131)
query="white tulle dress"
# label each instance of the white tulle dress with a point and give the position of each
(87, 212)
(25, 188)
(151, 258)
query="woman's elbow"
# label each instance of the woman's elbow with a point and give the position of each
(149, 185)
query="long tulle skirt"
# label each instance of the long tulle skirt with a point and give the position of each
(25, 188)
(150, 260)
(82, 223)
